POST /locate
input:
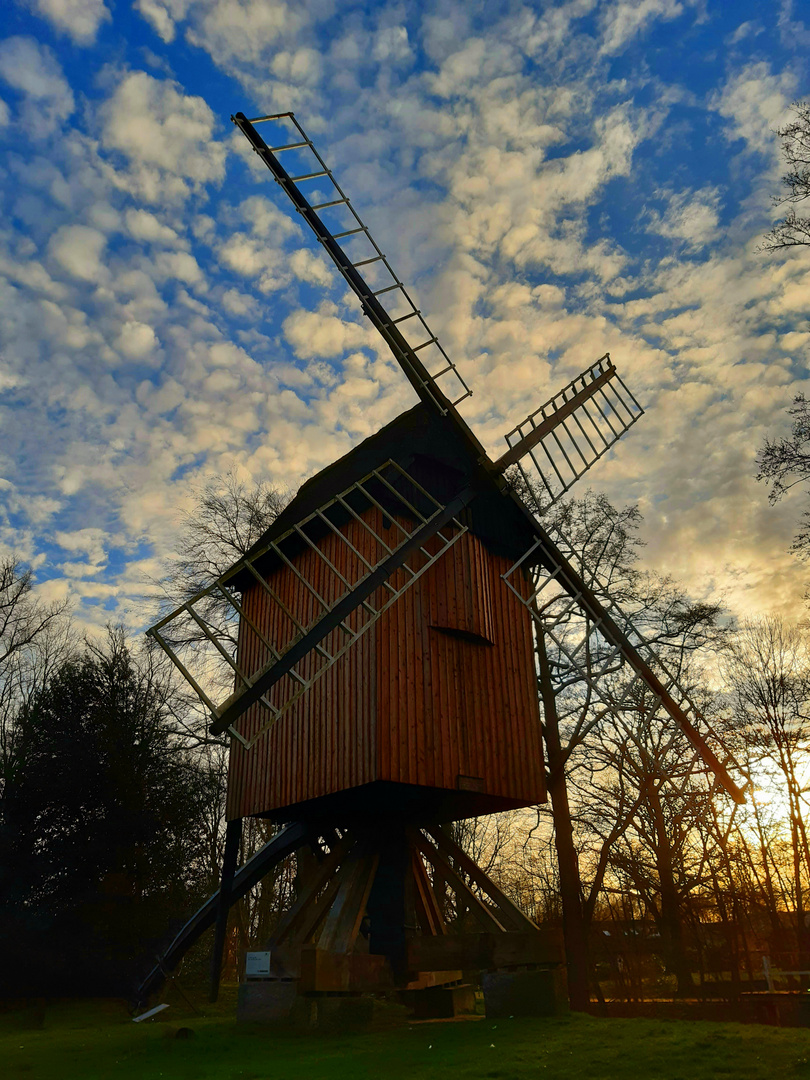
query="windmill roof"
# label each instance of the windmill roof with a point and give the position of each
(438, 456)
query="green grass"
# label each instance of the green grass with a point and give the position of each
(95, 1040)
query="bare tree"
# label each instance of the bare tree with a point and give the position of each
(23, 618)
(226, 520)
(35, 638)
(768, 675)
(604, 541)
(785, 463)
(793, 230)
(605, 548)
(649, 767)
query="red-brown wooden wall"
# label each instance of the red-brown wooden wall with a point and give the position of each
(412, 702)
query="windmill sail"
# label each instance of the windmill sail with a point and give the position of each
(607, 642)
(572, 430)
(347, 240)
(343, 588)
(560, 440)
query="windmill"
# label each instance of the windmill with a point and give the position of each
(378, 643)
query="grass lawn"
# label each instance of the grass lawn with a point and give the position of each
(94, 1040)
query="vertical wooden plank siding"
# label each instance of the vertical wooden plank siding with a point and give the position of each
(442, 687)
(327, 740)
(472, 702)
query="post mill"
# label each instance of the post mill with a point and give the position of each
(380, 642)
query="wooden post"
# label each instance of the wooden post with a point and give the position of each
(233, 836)
(388, 901)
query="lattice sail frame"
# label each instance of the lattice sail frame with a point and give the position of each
(392, 491)
(574, 428)
(347, 240)
(602, 666)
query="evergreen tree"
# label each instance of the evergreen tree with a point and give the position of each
(102, 825)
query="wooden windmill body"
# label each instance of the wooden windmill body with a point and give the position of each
(382, 653)
(434, 714)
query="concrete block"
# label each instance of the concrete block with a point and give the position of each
(524, 993)
(271, 999)
(442, 1002)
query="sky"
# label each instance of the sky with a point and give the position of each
(553, 181)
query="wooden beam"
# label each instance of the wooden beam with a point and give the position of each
(230, 858)
(302, 918)
(547, 425)
(346, 912)
(511, 913)
(483, 914)
(427, 905)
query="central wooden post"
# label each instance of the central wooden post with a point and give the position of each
(390, 904)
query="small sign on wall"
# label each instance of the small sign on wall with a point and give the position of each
(257, 965)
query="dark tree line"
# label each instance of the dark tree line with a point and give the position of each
(111, 790)
(104, 830)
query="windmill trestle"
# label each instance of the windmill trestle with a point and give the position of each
(369, 917)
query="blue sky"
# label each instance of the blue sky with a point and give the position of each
(554, 181)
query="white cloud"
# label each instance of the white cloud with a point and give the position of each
(79, 19)
(744, 30)
(323, 334)
(623, 20)
(35, 73)
(166, 135)
(252, 257)
(179, 266)
(136, 340)
(795, 34)
(92, 542)
(162, 15)
(245, 30)
(266, 218)
(311, 268)
(391, 45)
(754, 100)
(691, 217)
(239, 303)
(297, 66)
(78, 250)
(145, 226)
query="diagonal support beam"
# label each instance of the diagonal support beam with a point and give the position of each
(251, 873)
(427, 905)
(302, 917)
(439, 859)
(342, 923)
(507, 909)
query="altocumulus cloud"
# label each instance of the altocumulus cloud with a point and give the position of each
(554, 182)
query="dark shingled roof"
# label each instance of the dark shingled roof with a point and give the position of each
(438, 456)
